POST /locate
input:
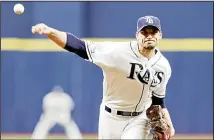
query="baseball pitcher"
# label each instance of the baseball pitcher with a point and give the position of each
(135, 80)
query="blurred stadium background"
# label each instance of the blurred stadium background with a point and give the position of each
(31, 65)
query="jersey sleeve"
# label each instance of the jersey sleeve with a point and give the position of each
(160, 90)
(101, 52)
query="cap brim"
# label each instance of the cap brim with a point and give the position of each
(147, 26)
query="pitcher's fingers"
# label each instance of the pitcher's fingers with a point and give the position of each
(33, 29)
(40, 30)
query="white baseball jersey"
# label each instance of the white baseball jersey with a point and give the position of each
(55, 102)
(129, 78)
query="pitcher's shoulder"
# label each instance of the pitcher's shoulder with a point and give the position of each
(122, 44)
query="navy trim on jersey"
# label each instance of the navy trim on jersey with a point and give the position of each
(132, 49)
(76, 45)
(158, 101)
(155, 94)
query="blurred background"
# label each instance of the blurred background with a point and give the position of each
(31, 64)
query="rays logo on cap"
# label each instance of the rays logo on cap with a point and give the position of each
(149, 20)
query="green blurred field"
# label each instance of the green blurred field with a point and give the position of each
(91, 136)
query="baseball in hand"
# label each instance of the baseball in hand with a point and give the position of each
(18, 9)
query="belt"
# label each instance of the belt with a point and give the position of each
(123, 113)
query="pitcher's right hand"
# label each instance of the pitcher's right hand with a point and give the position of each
(41, 29)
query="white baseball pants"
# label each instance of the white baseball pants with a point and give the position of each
(112, 126)
(47, 122)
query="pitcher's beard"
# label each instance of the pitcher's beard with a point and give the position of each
(149, 47)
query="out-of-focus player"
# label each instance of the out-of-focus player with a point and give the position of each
(57, 108)
(135, 77)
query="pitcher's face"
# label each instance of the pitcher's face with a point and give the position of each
(148, 37)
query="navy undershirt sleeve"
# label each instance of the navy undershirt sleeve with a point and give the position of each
(158, 101)
(76, 45)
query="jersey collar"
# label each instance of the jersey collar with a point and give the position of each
(152, 61)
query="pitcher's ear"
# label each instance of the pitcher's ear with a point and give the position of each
(160, 35)
(136, 34)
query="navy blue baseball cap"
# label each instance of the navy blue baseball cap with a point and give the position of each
(148, 21)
